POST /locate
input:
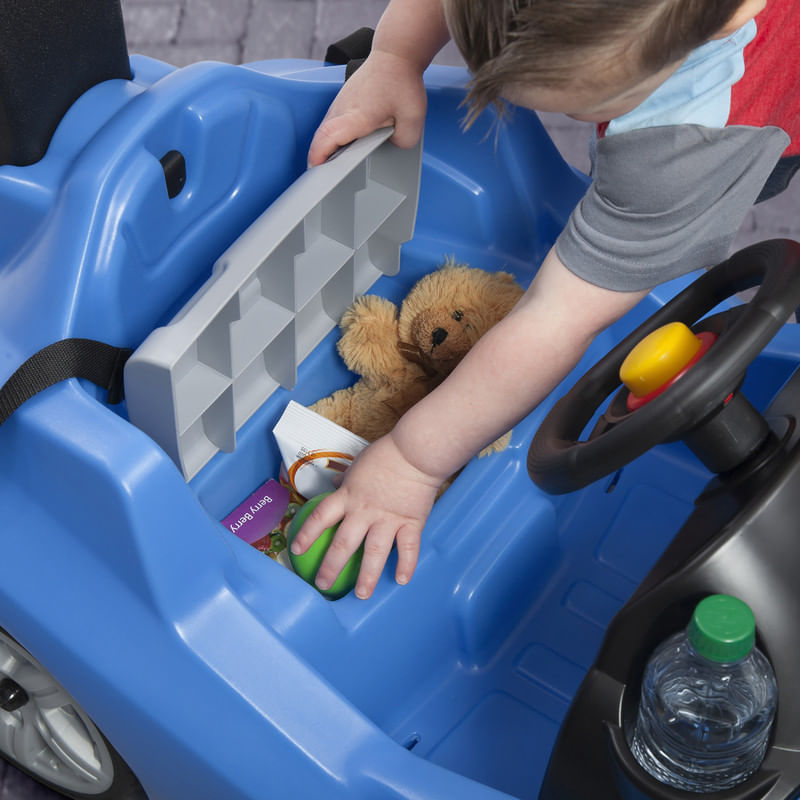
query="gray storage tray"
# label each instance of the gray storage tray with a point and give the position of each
(272, 297)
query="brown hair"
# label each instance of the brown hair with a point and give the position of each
(551, 42)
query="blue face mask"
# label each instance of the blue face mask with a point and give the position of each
(699, 92)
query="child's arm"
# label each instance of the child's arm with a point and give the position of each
(387, 89)
(388, 492)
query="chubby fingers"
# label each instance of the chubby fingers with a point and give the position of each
(324, 515)
(408, 130)
(335, 132)
(378, 542)
(378, 537)
(347, 540)
(327, 139)
(408, 539)
(377, 547)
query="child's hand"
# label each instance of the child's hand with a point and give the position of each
(383, 498)
(385, 90)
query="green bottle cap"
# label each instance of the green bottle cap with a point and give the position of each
(723, 628)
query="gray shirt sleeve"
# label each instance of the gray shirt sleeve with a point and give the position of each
(665, 201)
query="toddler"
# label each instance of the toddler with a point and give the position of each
(697, 105)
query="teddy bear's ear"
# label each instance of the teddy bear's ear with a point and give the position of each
(504, 277)
(508, 291)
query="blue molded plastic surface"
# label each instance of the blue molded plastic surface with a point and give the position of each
(215, 672)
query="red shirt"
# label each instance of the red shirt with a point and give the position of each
(769, 91)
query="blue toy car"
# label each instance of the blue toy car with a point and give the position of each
(146, 651)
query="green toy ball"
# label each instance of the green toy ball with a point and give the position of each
(307, 564)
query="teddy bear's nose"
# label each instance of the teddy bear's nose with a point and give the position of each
(438, 336)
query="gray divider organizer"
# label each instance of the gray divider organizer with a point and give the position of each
(271, 298)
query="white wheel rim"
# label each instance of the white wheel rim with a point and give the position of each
(50, 735)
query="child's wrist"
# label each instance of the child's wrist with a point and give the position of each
(398, 58)
(420, 461)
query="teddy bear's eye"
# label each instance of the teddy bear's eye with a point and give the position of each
(457, 315)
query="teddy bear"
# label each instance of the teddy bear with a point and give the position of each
(402, 354)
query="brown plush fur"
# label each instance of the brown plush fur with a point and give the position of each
(402, 355)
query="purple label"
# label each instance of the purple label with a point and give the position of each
(261, 513)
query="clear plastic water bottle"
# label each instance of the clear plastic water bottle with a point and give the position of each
(708, 701)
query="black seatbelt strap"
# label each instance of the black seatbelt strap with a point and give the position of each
(352, 50)
(95, 361)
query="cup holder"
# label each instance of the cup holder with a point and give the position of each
(739, 540)
(592, 755)
(634, 783)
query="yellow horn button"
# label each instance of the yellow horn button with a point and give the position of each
(658, 357)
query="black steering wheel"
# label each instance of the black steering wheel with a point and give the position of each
(559, 462)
